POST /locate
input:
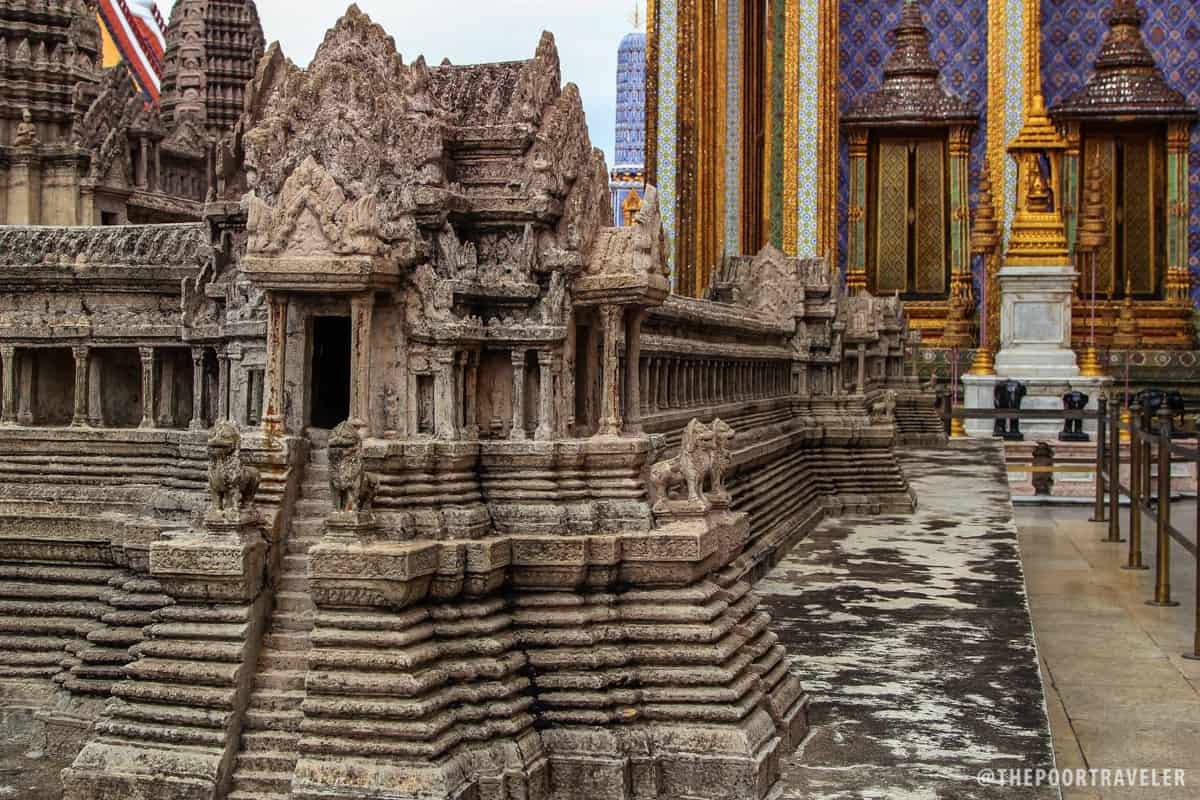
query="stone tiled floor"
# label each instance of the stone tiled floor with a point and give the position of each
(912, 635)
(1120, 694)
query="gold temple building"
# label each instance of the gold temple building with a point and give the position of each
(876, 135)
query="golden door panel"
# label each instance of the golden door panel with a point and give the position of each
(1138, 215)
(891, 228)
(930, 222)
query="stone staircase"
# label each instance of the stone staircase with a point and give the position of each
(918, 423)
(270, 736)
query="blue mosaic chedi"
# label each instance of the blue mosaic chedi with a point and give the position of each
(631, 103)
(628, 174)
(1072, 32)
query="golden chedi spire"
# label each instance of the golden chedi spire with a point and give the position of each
(1091, 238)
(1038, 232)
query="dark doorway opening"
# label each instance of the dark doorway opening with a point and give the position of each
(330, 371)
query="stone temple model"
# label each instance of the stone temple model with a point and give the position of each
(401, 473)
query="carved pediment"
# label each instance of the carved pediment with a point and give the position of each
(313, 218)
(188, 140)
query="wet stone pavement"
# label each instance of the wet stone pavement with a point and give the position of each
(912, 634)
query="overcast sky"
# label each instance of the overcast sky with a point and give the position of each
(468, 31)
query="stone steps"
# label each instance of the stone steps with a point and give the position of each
(268, 751)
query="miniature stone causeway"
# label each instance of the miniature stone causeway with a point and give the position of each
(402, 475)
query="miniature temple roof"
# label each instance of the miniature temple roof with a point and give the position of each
(1126, 82)
(912, 93)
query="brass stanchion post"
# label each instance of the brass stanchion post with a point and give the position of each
(1147, 454)
(1195, 654)
(1101, 431)
(1136, 488)
(1162, 558)
(1114, 478)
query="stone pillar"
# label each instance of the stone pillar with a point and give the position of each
(166, 393)
(25, 393)
(547, 365)
(197, 423)
(610, 400)
(652, 385)
(276, 344)
(223, 383)
(860, 384)
(445, 415)
(95, 399)
(362, 308)
(23, 188)
(470, 394)
(147, 354)
(517, 358)
(143, 166)
(633, 361)
(8, 414)
(80, 418)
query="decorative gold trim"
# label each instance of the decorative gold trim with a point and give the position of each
(768, 123)
(791, 135)
(652, 61)
(827, 131)
(722, 133)
(997, 111)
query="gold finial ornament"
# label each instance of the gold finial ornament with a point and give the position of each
(1127, 337)
(1039, 235)
(985, 242)
(1092, 237)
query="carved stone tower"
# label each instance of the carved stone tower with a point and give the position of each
(47, 50)
(213, 47)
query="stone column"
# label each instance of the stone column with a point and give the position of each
(652, 376)
(95, 399)
(166, 393)
(610, 400)
(471, 392)
(633, 361)
(147, 354)
(25, 393)
(223, 383)
(272, 415)
(362, 308)
(517, 357)
(197, 423)
(547, 365)
(80, 417)
(8, 414)
(861, 382)
(445, 417)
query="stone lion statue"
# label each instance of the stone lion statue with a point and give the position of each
(353, 488)
(688, 469)
(722, 458)
(231, 485)
(885, 409)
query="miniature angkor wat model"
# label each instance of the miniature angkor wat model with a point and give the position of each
(520, 565)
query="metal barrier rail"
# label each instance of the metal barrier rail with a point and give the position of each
(1146, 496)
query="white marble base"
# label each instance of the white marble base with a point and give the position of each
(1047, 395)
(1035, 323)
(980, 393)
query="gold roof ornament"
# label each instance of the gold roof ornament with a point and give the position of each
(1038, 235)
(1093, 232)
(985, 232)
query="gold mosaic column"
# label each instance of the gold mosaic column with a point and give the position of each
(1178, 200)
(856, 260)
